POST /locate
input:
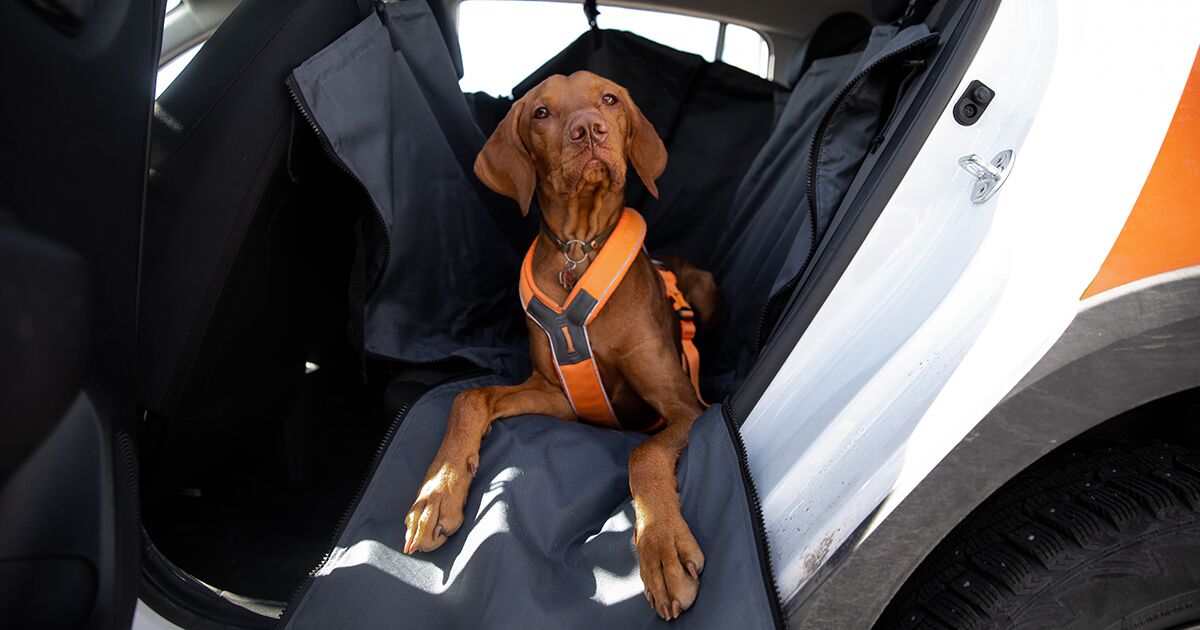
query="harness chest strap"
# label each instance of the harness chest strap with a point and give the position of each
(566, 325)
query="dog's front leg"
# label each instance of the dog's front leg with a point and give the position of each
(669, 557)
(438, 510)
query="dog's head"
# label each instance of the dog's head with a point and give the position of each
(567, 135)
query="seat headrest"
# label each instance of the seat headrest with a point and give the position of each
(892, 10)
(837, 35)
(888, 10)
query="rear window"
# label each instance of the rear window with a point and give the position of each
(504, 41)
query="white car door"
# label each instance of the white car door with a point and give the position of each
(949, 302)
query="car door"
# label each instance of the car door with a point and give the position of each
(953, 295)
(78, 81)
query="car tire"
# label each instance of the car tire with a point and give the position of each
(1100, 537)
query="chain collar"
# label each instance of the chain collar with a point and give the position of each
(567, 277)
(586, 246)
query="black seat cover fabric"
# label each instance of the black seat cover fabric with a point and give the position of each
(787, 198)
(241, 248)
(838, 34)
(712, 117)
(224, 120)
(415, 141)
(547, 539)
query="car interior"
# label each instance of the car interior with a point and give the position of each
(267, 395)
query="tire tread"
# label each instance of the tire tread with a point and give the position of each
(1070, 508)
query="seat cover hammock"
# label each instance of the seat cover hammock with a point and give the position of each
(546, 540)
(566, 325)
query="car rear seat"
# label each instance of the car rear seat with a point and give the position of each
(233, 269)
(754, 235)
(249, 234)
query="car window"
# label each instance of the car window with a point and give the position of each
(747, 49)
(176, 14)
(503, 41)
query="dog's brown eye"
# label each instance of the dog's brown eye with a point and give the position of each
(541, 112)
(609, 99)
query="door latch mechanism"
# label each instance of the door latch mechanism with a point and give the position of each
(988, 175)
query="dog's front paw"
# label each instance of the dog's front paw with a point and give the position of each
(438, 511)
(670, 562)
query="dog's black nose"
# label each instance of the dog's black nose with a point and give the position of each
(587, 128)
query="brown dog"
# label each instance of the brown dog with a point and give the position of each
(568, 140)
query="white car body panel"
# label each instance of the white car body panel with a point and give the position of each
(948, 304)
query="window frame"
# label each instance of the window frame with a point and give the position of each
(770, 75)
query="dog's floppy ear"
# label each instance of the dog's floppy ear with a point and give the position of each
(504, 164)
(646, 150)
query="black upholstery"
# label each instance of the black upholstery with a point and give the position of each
(889, 10)
(238, 242)
(839, 34)
(893, 10)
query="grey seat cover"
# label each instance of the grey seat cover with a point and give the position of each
(398, 123)
(547, 538)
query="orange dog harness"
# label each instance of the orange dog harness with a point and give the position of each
(566, 325)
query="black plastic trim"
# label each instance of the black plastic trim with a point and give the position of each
(974, 101)
(185, 601)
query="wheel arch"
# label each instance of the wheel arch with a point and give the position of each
(1127, 348)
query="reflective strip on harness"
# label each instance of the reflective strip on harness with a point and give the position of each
(566, 325)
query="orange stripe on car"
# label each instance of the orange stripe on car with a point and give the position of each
(1163, 230)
